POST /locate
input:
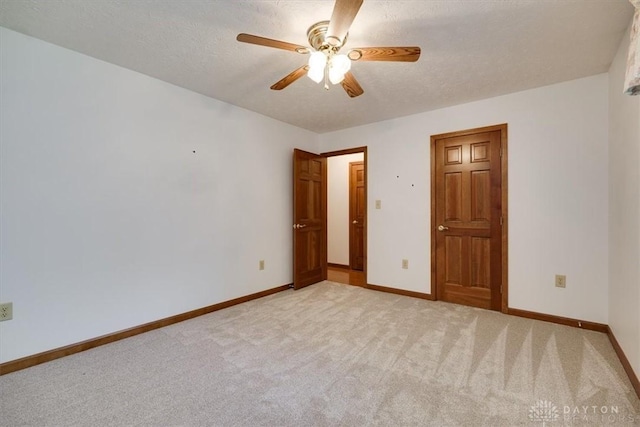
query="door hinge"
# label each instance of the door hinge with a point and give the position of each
(501, 221)
(500, 288)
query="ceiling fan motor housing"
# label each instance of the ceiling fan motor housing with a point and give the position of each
(317, 35)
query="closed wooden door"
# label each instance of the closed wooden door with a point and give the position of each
(467, 213)
(309, 219)
(357, 215)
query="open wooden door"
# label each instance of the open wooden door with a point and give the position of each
(309, 218)
(357, 209)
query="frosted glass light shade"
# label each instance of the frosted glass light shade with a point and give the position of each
(317, 64)
(335, 76)
(341, 62)
(316, 74)
(340, 65)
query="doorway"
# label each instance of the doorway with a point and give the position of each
(346, 255)
(469, 217)
(314, 259)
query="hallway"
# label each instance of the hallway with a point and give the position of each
(346, 276)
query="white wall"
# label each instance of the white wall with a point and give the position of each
(624, 211)
(109, 219)
(338, 207)
(557, 194)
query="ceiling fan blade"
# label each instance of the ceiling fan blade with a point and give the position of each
(263, 41)
(290, 78)
(344, 12)
(351, 85)
(400, 54)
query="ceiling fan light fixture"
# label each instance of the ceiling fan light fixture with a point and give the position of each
(316, 75)
(339, 65)
(317, 60)
(341, 62)
(335, 76)
(317, 64)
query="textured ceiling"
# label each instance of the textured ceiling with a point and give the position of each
(471, 49)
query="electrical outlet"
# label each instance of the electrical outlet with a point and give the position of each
(405, 264)
(6, 311)
(561, 281)
(261, 266)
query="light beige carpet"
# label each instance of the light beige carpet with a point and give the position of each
(333, 355)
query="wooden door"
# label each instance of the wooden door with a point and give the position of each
(309, 218)
(467, 213)
(357, 215)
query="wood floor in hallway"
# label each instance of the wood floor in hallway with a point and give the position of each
(346, 276)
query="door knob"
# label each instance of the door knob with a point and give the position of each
(354, 222)
(297, 226)
(442, 228)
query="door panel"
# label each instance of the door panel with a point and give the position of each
(309, 217)
(453, 259)
(467, 209)
(480, 196)
(453, 196)
(357, 214)
(481, 262)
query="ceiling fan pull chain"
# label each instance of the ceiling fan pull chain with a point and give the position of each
(326, 76)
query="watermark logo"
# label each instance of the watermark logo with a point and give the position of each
(544, 411)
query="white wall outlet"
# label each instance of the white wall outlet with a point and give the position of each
(561, 281)
(6, 311)
(261, 265)
(378, 204)
(405, 264)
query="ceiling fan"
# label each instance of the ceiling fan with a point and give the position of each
(326, 39)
